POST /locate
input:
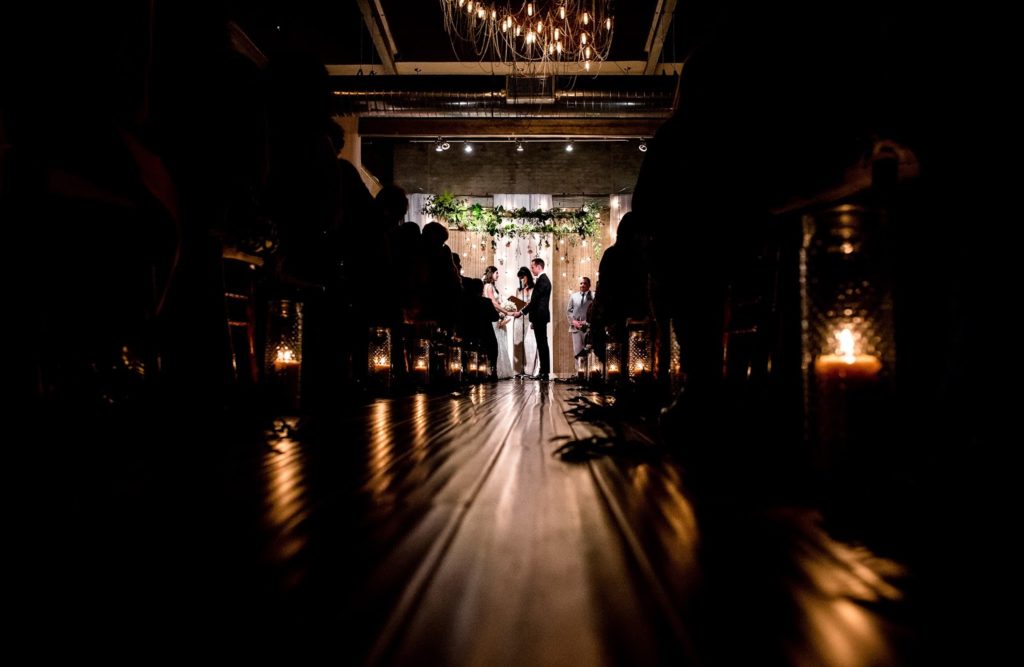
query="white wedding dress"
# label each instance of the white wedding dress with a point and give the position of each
(524, 345)
(504, 366)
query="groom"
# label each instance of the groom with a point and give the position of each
(539, 310)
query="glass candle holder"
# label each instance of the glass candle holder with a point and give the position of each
(439, 355)
(847, 326)
(640, 359)
(675, 360)
(419, 361)
(595, 368)
(455, 361)
(283, 350)
(612, 359)
(378, 356)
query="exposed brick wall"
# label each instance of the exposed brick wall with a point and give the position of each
(543, 168)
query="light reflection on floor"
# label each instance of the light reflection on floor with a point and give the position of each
(381, 450)
(285, 495)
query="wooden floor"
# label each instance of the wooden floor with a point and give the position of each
(447, 529)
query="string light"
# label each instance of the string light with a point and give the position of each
(556, 34)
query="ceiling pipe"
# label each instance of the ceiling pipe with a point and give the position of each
(455, 97)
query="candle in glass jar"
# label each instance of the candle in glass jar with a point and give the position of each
(845, 364)
(284, 358)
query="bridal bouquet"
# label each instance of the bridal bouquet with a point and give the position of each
(508, 307)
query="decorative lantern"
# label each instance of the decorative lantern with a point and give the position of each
(283, 352)
(419, 361)
(455, 361)
(848, 343)
(594, 368)
(472, 364)
(612, 357)
(675, 360)
(378, 356)
(439, 354)
(483, 367)
(639, 362)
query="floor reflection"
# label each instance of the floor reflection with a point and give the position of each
(285, 495)
(381, 451)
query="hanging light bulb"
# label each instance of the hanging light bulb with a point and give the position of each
(576, 25)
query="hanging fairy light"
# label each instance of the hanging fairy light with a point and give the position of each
(541, 34)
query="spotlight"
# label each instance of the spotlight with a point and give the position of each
(642, 147)
(445, 145)
(468, 148)
(519, 146)
(437, 147)
(568, 147)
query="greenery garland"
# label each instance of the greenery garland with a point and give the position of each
(584, 222)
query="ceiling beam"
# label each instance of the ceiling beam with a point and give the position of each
(549, 128)
(476, 68)
(377, 24)
(659, 30)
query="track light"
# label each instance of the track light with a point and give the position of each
(569, 147)
(468, 148)
(643, 146)
(519, 147)
(441, 145)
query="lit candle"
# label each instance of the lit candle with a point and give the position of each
(845, 364)
(284, 358)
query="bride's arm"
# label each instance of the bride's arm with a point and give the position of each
(489, 293)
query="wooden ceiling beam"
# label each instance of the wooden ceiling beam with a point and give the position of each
(377, 24)
(554, 128)
(660, 24)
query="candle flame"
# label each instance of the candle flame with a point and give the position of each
(285, 356)
(846, 351)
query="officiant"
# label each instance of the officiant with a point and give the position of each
(578, 315)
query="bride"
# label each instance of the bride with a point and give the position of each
(504, 368)
(524, 345)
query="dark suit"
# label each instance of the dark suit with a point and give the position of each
(539, 310)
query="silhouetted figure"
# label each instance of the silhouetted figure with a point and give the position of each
(443, 283)
(622, 285)
(304, 196)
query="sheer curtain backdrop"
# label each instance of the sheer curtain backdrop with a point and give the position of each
(512, 252)
(416, 201)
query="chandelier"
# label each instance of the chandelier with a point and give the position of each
(574, 33)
